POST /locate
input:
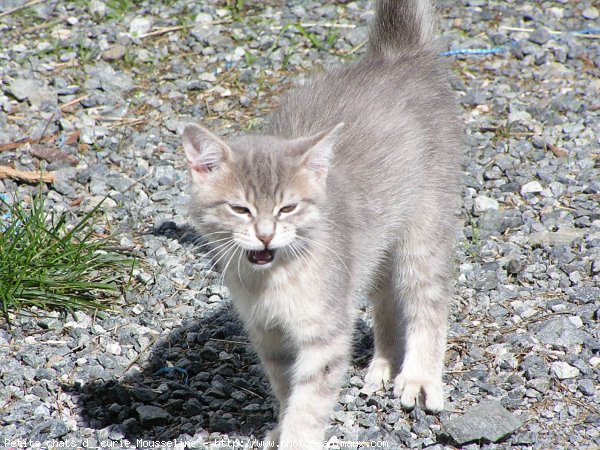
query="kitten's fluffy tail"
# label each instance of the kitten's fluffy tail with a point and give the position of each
(401, 25)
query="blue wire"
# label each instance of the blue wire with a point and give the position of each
(589, 31)
(171, 370)
(496, 50)
(474, 51)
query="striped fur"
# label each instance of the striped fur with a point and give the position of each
(370, 208)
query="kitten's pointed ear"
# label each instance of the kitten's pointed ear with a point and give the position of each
(204, 150)
(317, 151)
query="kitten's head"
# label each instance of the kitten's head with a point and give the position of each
(260, 195)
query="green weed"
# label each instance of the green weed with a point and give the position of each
(47, 263)
(118, 8)
(311, 37)
(236, 8)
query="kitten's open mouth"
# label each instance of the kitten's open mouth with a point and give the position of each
(261, 256)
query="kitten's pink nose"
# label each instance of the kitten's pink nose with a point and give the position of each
(265, 238)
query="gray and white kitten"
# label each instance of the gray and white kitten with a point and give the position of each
(352, 188)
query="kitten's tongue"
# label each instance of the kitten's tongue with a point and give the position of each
(261, 256)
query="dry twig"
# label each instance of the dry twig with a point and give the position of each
(28, 177)
(19, 8)
(70, 139)
(531, 30)
(556, 150)
(161, 31)
(136, 359)
(67, 105)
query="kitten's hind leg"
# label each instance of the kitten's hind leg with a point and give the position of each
(386, 360)
(422, 276)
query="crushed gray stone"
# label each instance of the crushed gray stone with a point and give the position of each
(486, 421)
(170, 360)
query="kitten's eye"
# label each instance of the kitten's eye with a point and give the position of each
(288, 209)
(240, 210)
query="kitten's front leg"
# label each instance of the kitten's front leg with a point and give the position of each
(278, 361)
(316, 377)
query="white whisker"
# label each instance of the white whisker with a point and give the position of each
(213, 233)
(215, 249)
(298, 252)
(240, 255)
(228, 247)
(235, 248)
(323, 246)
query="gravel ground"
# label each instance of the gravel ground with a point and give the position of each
(108, 84)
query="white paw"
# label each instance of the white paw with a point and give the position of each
(380, 370)
(428, 393)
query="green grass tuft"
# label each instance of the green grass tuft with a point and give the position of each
(46, 263)
(313, 38)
